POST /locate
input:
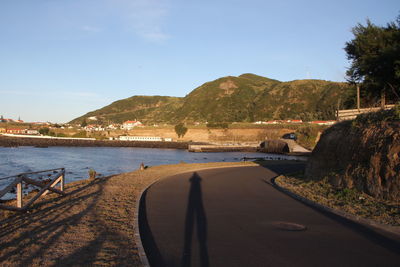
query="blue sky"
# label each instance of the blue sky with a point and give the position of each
(62, 58)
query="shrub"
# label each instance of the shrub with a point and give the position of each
(44, 131)
(92, 174)
(180, 130)
(307, 135)
(377, 117)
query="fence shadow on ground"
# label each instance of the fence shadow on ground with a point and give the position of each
(38, 237)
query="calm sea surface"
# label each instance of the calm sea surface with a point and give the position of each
(105, 160)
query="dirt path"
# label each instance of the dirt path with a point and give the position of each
(93, 225)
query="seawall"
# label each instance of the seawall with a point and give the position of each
(42, 142)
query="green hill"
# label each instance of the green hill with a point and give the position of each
(143, 108)
(247, 97)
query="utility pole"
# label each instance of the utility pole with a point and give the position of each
(358, 97)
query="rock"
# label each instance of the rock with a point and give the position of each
(274, 146)
(365, 156)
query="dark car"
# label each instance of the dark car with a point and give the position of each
(290, 136)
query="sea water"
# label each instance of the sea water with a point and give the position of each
(104, 160)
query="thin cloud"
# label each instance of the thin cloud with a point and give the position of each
(145, 17)
(92, 29)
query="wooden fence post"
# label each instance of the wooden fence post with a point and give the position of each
(19, 195)
(62, 181)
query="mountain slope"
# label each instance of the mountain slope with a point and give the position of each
(135, 107)
(301, 99)
(247, 97)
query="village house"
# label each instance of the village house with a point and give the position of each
(32, 132)
(129, 125)
(93, 128)
(272, 122)
(113, 127)
(295, 121)
(15, 131)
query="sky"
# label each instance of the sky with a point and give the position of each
(60, 59)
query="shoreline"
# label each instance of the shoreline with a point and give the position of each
(46, 142)
(7, 141)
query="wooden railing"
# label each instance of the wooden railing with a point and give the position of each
(349, 114)
(45, 187)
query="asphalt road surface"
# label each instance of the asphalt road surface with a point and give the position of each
(232, 217)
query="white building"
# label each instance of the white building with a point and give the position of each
(129, 125)
(113, 126)
(93, 127)
(32, 131)
(140, 138)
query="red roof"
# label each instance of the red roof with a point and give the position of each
(131, 122)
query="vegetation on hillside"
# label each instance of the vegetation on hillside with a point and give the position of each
(144, 108)
(246, 98)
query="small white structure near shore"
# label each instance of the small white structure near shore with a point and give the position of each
(140, 138)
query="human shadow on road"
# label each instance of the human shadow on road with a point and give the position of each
(195, 215)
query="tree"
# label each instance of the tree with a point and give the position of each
(84, 123)
(375, 59)
(44, 131)
(180, 130)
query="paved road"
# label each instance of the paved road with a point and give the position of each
(231, 217)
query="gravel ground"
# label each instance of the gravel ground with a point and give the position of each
(92, 226)
(346, 200)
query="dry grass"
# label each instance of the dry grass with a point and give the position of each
(92, 226)
(347, 200)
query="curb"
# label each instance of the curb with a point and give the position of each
(138, 240)
(386, 231)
